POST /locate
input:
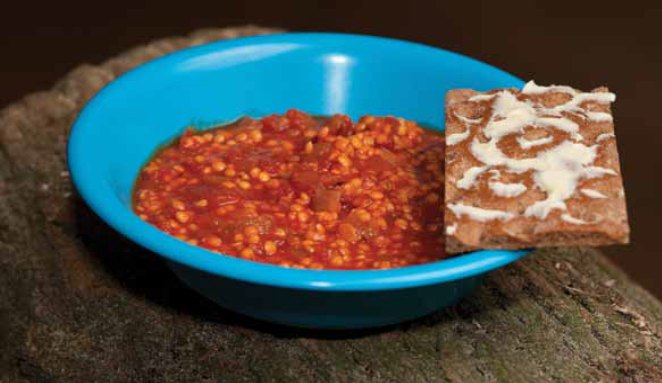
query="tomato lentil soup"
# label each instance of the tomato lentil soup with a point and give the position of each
(302, 191)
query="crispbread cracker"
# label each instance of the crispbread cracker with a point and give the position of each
(532, 168)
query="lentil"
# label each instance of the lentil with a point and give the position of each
(301, 191)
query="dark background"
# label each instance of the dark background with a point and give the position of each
(583, 44)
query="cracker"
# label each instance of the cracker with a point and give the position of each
(532, 168)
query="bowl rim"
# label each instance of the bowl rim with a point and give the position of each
(101, 200)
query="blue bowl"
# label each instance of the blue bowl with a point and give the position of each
(321, 74)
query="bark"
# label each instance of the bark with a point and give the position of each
(79, 303)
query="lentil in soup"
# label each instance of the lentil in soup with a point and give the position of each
(301, 191)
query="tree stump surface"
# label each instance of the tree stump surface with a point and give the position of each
(80, 303)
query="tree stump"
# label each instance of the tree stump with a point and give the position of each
(79, 303)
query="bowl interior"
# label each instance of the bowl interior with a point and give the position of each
(321, 74)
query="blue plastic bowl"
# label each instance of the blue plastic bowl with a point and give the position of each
(321, 74)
